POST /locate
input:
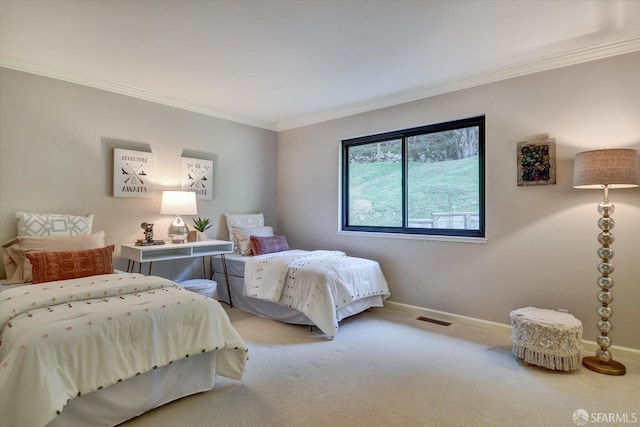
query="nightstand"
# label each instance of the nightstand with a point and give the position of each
(172, 251)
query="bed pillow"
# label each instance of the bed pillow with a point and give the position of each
(53, 266)
(267, 245)
(17, 265)
(242, 220)
(242, 235)
(32, 224)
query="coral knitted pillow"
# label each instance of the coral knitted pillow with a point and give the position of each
(53, 266)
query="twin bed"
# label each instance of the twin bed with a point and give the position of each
(316, 288)
(76, 339)
(81, 344)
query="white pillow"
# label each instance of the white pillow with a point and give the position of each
(242, 220)
(33, 224)
(243, 236)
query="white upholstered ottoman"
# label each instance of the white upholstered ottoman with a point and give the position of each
(205, 287)
(548, 338)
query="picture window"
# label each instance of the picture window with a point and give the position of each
(424, 180)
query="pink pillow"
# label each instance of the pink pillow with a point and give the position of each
(242, 235)
(53, 266)
(267, 245)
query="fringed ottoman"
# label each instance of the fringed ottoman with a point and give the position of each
(205, 287)
(548, 338)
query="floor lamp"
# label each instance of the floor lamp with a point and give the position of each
(605, 169)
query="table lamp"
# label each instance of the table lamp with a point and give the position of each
(178, 203)
(605, 169)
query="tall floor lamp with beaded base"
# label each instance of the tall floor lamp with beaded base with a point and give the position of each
(605, 169)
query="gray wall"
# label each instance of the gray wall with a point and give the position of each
(56, 156)
(541, 239)
(56, 143)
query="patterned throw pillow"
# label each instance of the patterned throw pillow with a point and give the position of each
(242, 235)
(242, 220)
(53, 266)
(32, 224)
(267, 245)
(17, 265)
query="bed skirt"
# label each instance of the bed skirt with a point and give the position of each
(135, 396)
(278, 312)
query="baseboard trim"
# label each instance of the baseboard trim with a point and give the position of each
(587, 346)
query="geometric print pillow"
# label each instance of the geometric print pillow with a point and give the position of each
(31, 224)
(242, 220)
(243, 234)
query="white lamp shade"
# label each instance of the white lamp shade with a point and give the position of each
(178, 203)
(615, 168)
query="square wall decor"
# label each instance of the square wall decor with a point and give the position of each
(132, 173)
(537, 161)
(197, 176)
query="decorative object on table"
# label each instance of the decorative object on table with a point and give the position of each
(548, 338)
(537, 161)
(148, 231)
(197, 176)
(201, 225)
(178, 203)
(148, 236)
(605, 169)
(132, 173)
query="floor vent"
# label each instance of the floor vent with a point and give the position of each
(437, 322)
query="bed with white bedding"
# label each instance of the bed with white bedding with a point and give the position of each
(318, 288)
(68, 339)
(83, 346)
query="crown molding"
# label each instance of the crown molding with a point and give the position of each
(84, 80)
(577, 56)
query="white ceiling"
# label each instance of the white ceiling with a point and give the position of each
(283, 64)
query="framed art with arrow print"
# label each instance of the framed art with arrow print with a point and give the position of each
(132, 173)
(197, 176)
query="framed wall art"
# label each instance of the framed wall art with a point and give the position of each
(197, 176)
(536, 159)
(132, 173)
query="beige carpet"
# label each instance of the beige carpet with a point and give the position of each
(387, 369)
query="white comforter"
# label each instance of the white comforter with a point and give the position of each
(316, 283)
(59, 340)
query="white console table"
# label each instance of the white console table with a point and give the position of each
(172, 251)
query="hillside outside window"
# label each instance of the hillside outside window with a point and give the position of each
(424, 180)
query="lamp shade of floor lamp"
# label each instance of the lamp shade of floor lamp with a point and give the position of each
(178, 203)
(605, 169)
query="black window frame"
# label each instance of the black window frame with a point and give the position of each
(404, 134)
